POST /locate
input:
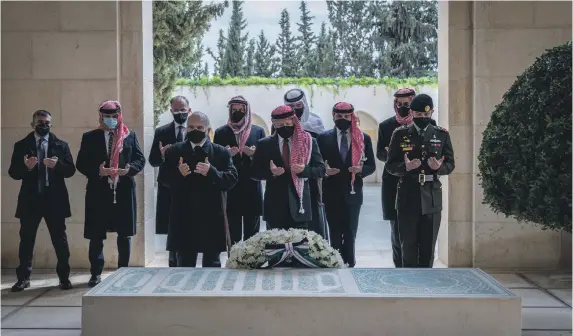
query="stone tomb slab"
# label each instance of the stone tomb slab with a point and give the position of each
(300, 302)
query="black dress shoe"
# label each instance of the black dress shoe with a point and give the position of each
(65, 284)
(94, 280)
(20, 285)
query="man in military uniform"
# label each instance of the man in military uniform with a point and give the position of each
(418, 154)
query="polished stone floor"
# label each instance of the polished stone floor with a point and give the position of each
(44, 310)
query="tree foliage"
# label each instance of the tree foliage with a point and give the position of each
(177, 28)
(266, 63)
(525, 156)
(305, 43)
(286, 47)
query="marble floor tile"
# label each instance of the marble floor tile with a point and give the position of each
(8, 309)
(20, 298)
(510, 280)
(545, 333)
(536, 298)
(40, 332)
(546, 318)
(550, 280)
(58, 297)
(45, 318)
(562, 294)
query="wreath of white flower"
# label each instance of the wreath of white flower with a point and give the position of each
(250, 254)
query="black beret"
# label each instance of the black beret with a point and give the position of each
(422, 103)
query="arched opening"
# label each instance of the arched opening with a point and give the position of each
(260, 122)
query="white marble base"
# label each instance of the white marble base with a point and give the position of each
(212, 302)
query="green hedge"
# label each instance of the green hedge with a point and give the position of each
(525, 156)
(306, 82)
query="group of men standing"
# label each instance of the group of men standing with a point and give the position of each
(210, 193)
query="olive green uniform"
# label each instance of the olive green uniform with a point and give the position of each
(419, 197)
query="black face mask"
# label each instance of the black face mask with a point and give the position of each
(404, 111)
(180, 118)
(299, 112)
(285, 131)
(237, 115)
(342, 124)
(195, 136)
(422, 122)
(42, 129)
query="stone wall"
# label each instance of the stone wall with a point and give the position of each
(483, 46)
(67, 57)
(373, 105)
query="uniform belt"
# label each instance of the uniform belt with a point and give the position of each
(421, 178)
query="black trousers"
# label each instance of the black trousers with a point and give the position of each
(418, 235)
(96, 254)
(28, 229)
(189, 259)
(396, 246)
(243, 226)
(343, 225)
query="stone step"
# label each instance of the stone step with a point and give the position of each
(333, 302)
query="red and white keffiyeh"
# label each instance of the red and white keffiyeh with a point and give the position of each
(356, 135)
(121, 131)
(405, 92)
(301, 147)
(243, 127)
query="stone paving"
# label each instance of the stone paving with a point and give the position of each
(45, 310)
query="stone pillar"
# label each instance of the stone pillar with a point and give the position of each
(483, 47)
(67, 57)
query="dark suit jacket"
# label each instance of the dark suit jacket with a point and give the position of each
(280, 194)
(389, 181)
(246, 197)
(28, 198)
(196, 220)
(101, 214)
(336, 189)
(166, 135)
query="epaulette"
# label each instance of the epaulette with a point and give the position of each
(440, 128)
(403, 127)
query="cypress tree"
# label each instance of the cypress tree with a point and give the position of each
(177, 26)
(285, 46)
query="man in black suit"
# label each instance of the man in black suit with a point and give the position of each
(198, 173)
(402, 99)
(42, 162)
(165, 137)
(349, 158)
(287, 160)
(109, 157)
(245, 199)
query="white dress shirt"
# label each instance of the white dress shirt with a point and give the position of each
(45, 150)
(199, 144)
(177, 130)
(339, 138)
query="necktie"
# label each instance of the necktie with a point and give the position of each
(180, 134)
(41, 165)
(343, 146)
(286, 155)
(110, 144)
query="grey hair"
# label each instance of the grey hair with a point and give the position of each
(203, 118)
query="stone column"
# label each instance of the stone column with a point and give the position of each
(483, 47)
(67, 57)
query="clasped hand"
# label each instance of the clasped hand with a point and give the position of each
(103, 171)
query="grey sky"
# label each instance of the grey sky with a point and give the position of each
(265, 15)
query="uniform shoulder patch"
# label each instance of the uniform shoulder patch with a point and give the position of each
(440, 128)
